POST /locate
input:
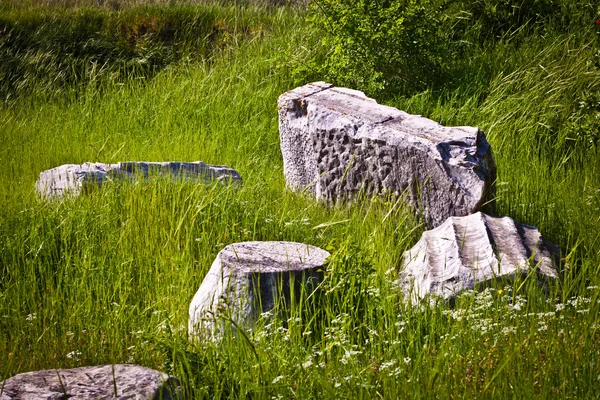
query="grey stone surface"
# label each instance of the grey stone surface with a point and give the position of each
(337, 142)
(75, 178)
(93, 383)
(465, 251)
(249, 278)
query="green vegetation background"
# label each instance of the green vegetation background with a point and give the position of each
(108, 277)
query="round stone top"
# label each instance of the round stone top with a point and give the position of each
(95, 382)
(272, 256)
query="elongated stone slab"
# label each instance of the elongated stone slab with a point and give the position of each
(75, 178)
(337, 142)
(249, 278)
(119, 381)
(465, 251)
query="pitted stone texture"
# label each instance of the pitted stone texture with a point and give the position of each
(75, 178)
(93, 383)
(337, 142)
(465, 251)
(249, 278)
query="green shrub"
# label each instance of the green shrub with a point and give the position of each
(390, 48)
(378, 46)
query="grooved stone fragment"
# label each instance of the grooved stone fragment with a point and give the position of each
(74, 178)
(249, 278)
(465, 251)
(99, 382)
(337, 142)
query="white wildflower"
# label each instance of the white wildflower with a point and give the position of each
(509, 330)
(548, 314)
(542, 326)
(387, 364)
(74, 354)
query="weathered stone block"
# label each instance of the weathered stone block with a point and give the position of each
(93, 383)
(337, 143)
(75, 178)
(465, 251)
(249, 278)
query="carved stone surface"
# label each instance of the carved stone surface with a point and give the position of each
(475, 249)
(249, 278)
(337, 142)
(74, 178)
(93, 383)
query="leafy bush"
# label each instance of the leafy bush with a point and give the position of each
(377, 46)
(401, 47)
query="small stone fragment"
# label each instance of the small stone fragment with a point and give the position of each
(337, 143)
(92, 383)
(250, 278)
(75, 178)
(465, 251)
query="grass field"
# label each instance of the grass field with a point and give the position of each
(108, 277)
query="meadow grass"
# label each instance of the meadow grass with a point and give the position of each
(108, 277)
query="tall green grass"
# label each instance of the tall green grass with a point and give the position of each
(53, 51)
(108, 277)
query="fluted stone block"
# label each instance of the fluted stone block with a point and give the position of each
(465, 251)
(119, 381)
(337, 143)
(249, 278)
(75, 178)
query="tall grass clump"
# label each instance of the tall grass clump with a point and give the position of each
(48, 51)
(107, 277)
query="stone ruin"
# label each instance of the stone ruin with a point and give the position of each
(337, 143)
(250, 278)
(72, 179)
(118, 381)
(473, 250)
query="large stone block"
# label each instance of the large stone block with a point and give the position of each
(75, 178)
(465, 251)
(119, 381)
(249, 278)
(337, 143)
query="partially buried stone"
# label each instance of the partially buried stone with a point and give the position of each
(476, 249)
(337, 143)
(250, 278)
(119, 381)
(75, 178)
